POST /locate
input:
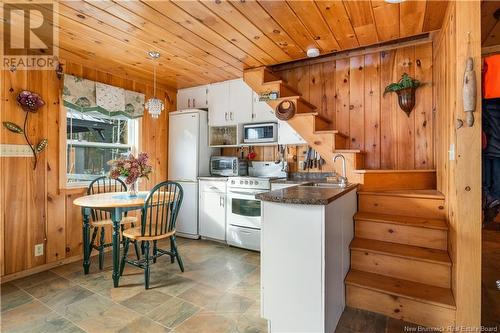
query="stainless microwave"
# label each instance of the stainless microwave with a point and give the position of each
(228, 166)
(260, 133)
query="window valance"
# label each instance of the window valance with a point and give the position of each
(94, 97)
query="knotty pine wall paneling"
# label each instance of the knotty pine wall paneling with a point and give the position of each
(349, 92)
(459, 179)
(35, 207)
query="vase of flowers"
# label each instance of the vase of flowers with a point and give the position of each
(132, 169)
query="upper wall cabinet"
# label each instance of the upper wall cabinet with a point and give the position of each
(192, 98)
(230, 102)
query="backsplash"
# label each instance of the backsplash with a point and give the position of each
(294, 155)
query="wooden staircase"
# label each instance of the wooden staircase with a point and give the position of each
(314, 128)
(400, 265)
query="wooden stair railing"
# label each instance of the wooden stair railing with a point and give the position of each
(317, 130)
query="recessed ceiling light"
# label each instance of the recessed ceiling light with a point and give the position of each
(312, 52)
(394, 1)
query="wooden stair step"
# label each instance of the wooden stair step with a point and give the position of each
(331, 131)
(279, 85)
(407, 230)
(374, 171)
(421, 203)
(400, 250)
(425, 194)
(382, 180)
(349, 151)
(403, 220)
(420, 292)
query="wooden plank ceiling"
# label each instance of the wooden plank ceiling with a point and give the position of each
(490, 25)
(210, 41)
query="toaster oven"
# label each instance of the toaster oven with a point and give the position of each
(228, 166)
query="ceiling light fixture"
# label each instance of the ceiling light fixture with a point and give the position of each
(394, 1)
(154, 105)
(312, 52)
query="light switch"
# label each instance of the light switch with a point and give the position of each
(451, 152)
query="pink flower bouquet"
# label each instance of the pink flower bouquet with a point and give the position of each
(131, 168)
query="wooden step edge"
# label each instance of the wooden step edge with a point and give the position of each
(284, 85)
(410, 252)
(349, 151)
(420, 292)
(393, 171)
(304, 114)
(423, 194)
(331, 131)
(421, 222)
(316, 116)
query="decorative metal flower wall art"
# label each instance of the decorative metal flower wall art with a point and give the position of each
(30, 102)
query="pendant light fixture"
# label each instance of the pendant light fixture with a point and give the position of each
(154, 105)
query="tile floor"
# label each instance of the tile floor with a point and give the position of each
(218, 293)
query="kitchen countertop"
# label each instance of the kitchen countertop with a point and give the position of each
(218, 178)
(306, 195)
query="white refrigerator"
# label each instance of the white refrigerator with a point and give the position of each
(188, 159)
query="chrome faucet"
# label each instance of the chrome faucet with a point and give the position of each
(343, 178)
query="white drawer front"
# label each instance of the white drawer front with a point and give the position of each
(212, 186)
(243, 237)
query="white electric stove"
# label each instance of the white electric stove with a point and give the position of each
(243, 209)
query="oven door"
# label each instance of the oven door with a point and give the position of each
(243, 210)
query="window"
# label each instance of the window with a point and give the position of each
(92, 139)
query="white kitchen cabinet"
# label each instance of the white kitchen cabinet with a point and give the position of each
(192, 98)
(287, 135)
(262, 112)
(212, 209)
(218, 104)
(230, 103)
(240, 102)
(319, 259)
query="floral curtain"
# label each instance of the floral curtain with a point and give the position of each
(90, 96)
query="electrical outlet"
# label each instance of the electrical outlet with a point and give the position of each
(38, 250)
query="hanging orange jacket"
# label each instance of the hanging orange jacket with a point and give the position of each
(491, 77)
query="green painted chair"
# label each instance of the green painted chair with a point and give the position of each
(101, 219)
(158, 217)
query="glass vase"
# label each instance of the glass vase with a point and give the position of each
(133, 189)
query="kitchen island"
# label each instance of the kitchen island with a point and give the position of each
(306, 231)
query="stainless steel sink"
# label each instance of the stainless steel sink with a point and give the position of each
(328, 185)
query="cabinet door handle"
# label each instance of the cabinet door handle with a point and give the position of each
(231, 115)
(189, 102)
(225, 115)
(221, 201)
(194, 103)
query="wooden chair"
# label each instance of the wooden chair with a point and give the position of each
(158, 217)
(101, 219)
